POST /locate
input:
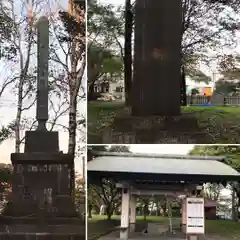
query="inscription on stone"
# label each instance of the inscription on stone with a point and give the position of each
(41, 168)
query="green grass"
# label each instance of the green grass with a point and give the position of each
(101, 115)
(226, 109)
(214, 228)
(223, 228)
(222, 124)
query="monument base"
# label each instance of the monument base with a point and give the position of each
(127, 129)
(33, 229)
(40, 236)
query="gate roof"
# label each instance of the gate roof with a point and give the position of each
(155, 167)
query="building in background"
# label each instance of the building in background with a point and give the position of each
(205, 90)
(210, 208)
(112, 85)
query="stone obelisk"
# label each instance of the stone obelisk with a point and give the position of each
(41, 200)
(42, 72)
(41, 140)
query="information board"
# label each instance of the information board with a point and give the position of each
(195, 216)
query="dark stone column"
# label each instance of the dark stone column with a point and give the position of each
(156, 81)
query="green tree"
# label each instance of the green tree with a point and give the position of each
(205, 26)
(212, 191)
(5, 179)
(229, 67)
(227, 88)
(195, 91)
(91, 151)
(105, 193)
(119, 148)
(105, 51)
(102, 62)
(72, 42)
(4, 134)
(7, 48)
(232, 158)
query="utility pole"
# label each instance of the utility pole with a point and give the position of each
(214, 79)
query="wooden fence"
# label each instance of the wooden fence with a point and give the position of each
(198, 100)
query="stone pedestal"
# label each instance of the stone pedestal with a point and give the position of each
(156, 80)
(41, 204)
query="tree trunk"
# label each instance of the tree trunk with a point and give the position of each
(145, 211)
(238, 207)
(151, 211)
(74, 79)
(183, 87)
(128, 51)
(72, 124)
(109, 211)
(234, 212)
(72, 136)
(23, 74)
(91, 87)
(157, 61)
(18, 117)
(164, 207)
(90, 207)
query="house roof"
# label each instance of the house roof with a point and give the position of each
(165, 165)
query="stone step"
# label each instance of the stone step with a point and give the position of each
(34, 220)
(33, 230)
(29, 236)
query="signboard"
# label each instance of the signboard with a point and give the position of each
(195, 216)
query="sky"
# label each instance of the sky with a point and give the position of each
(180, 149)
(115, 2)
(8, 102)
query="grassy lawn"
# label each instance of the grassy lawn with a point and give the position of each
(218, 229)
(101, 115)
(221, 124)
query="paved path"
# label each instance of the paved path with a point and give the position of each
(112, 237)
(143, 238)
(139, 236)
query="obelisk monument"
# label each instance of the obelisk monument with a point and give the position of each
(42, 72)
(41, 201)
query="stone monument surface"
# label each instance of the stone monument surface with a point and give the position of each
(42, 200)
